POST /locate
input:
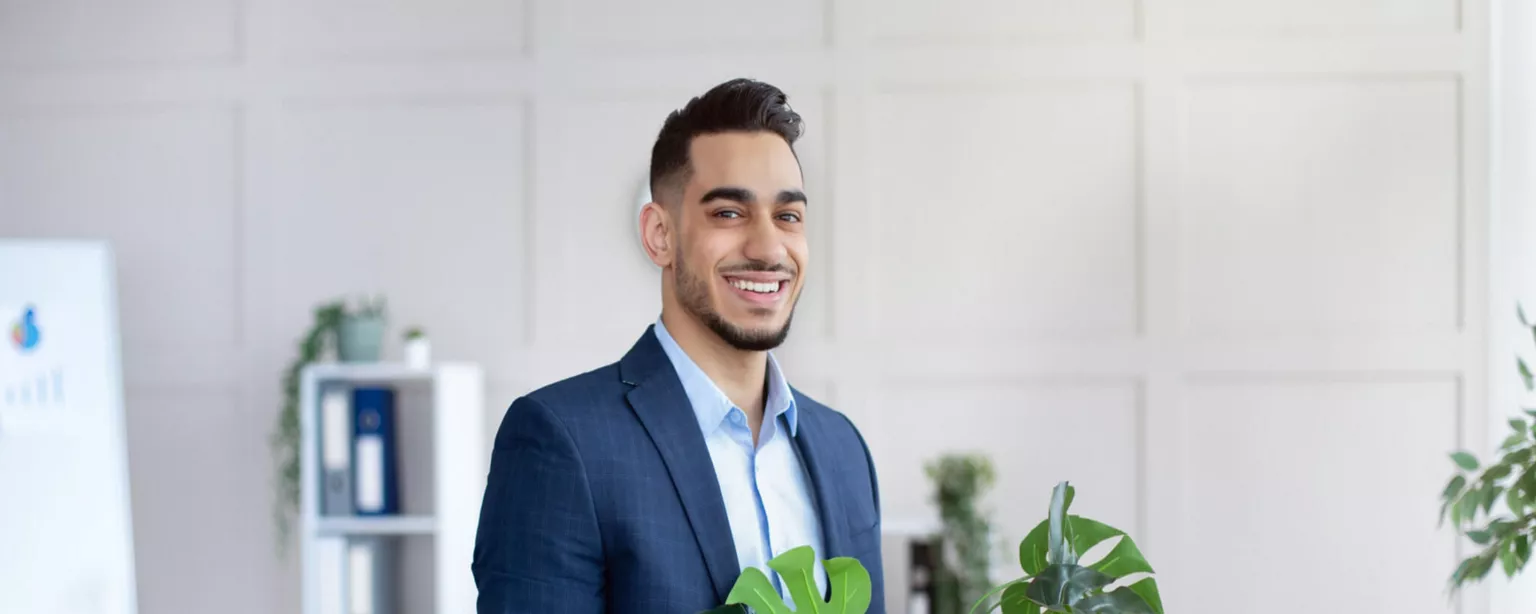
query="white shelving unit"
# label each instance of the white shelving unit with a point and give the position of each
(440, 443)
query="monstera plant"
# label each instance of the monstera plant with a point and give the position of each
(1056, 578)
(851, 587)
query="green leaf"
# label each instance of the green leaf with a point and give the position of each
(1465, 461)
(1520, 311)
(1454, 487)
(1519, 425)
(1522, 550)
(1515, 502)
(1525, 374)
(1060, 552)
(1123, 560)
(851, 586)
(797, 568)
(1480, 537)
(755, 590)
(1466, 509)
(1071, 493)
(1496, 472)
(1032, 551)
(1065, 585)
(1519, 456)
(1122, 600)
(1087, 533)
(1490, 496)
(1147, 588)
(1016, 600)
(850, 582)
(1512, 442)
(1507, 557)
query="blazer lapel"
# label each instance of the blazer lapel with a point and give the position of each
(663, 407)
(820, 466)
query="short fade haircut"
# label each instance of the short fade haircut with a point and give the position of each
(738, 105)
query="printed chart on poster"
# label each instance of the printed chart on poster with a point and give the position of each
(64, 497)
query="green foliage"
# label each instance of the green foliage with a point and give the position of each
(285, 439)
(1055, 581)
(413, 332)
(1504, 536)
(960, 480)
(852, 589)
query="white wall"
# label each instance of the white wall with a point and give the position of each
(1222, 263)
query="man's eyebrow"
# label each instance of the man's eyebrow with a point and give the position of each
(739, 195)
(792, 196)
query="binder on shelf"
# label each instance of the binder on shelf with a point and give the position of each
(375, 483)
(336, 451)
(331, 562)
(372, 575)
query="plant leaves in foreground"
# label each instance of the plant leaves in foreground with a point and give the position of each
(1122, 600)
(1088, 533)
(1147, 588)
(1033, 549)
(1016, 600)
(1065, 585)
(1123, 560)
(851, 587)
(755, 590)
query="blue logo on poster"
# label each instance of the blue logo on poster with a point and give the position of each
(25, 333)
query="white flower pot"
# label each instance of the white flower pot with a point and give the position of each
(418, 353)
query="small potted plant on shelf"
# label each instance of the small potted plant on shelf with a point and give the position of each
(418, 351)
(360, 337)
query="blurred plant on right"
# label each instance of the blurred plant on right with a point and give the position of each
(959, 483)
(1504, 537)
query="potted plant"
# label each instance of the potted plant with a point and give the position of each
(963, 576)
(1055, 579)
(418, 351)
(350, 335)
(1504, 536)
(360, 337)
(313, 345)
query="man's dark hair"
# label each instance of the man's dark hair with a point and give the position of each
(738, 105)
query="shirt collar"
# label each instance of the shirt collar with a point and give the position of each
(710, 404)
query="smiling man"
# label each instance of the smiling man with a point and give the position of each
(648, 485)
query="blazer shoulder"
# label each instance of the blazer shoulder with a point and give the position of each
(822, 413)
(581, 393)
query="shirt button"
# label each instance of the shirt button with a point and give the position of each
(736, 418)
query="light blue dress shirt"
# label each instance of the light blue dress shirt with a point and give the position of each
(766, 489)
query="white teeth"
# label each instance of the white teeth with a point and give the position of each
(762, 288)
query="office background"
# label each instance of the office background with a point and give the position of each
(1243, 270)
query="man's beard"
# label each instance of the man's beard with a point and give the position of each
(693, 294)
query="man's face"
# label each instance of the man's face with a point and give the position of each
(742, 254)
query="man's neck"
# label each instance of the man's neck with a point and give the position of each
(740, 374)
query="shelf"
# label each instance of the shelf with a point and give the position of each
(376, 525)
(370, 373)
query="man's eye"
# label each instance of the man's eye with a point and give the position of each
(790, 217)
(727, 214)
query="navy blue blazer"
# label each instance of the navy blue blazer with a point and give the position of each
(602, 498)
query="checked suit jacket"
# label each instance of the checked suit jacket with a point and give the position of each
(601, 497)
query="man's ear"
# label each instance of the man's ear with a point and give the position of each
(656, 234)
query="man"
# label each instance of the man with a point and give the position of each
(648, 485)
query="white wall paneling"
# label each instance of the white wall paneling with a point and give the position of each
(1232, 241)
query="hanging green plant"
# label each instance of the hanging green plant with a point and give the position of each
(320, 338)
